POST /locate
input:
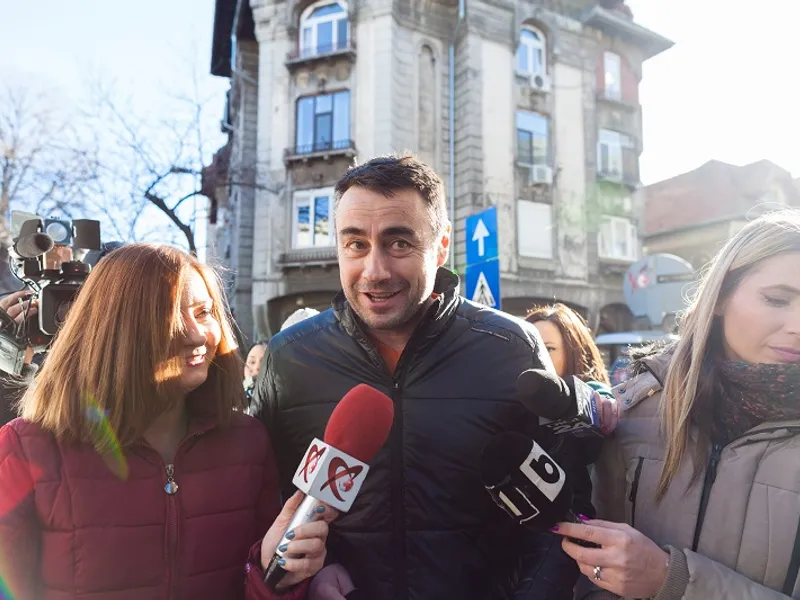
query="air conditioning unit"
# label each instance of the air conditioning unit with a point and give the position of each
(541, 174)
(541, 83)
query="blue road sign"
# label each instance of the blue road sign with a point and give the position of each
(481, 230)
(483, 283)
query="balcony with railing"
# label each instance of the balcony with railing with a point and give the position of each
(308, 257)
(305, 55)
(624, 169)
(321, 149)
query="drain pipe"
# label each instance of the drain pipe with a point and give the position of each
(452, 133)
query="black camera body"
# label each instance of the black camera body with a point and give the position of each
(52, 257)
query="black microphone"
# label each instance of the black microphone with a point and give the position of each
(33, 245)
(526, 482)
(573, 431)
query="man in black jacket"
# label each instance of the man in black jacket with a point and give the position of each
(422, 527)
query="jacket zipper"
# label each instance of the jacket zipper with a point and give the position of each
(398, 482)
(708, 483)
(171, 488)
(398, 496)
(635, 490)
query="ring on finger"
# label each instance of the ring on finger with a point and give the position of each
(598, 571)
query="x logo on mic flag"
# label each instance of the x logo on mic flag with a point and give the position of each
(312, 458)
(334, 474)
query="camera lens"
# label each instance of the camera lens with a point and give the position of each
(61, 312)
(58, 231)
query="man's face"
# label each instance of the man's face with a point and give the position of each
(388, 255)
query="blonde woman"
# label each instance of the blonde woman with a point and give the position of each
(699, 490)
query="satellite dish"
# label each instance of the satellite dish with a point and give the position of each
(655, 286)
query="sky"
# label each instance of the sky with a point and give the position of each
(724, 91)
(147, 50)
(727, 90)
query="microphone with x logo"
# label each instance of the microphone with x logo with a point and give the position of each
(332, 471)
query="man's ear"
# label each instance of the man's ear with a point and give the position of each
(444, 245)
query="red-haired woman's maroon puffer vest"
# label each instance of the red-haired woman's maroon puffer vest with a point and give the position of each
(71, 529)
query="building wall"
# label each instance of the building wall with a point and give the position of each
(398, 76)
(697, 245)
(498, 134)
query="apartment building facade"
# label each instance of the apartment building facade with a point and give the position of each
(531, 107)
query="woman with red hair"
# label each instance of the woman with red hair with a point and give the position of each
(132, 472)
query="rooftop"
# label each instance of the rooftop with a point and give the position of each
(714, 192)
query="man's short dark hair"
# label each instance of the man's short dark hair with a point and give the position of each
(389, 174)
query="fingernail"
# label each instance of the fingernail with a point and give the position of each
(320, 509)
(290, 535)
(283, 547)
(281, 562)
(554, 528)
(583, 517)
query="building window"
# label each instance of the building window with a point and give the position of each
(532, 52)
(617, 239)
(312, 216)
(534, 229)
(323, 122)
(612, 67)
(610, 146)
(532, 139)
(614, 201)
(323, 29)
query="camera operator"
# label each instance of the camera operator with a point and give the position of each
(22, 306)
(19, 306)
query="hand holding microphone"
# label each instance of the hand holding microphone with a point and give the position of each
(308, 541)
(572, 429)
(331, 473)
(526, 482)
(623, 560)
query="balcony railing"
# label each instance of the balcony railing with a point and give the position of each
(321, 149)
(308, 257)
(617, 99)
(629, 173)
(303, 55)
(625, 178)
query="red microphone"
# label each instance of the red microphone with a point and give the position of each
(332, 471)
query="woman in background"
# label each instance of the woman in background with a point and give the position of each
(131, 474)
(569, 341)
(699, 488)
(251, 367)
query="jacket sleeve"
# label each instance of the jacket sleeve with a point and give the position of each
(705, 579)
(256, 589)
(268, 509)
(547, 572)
(19, 526)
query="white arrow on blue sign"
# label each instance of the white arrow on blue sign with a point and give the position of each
(481, 230)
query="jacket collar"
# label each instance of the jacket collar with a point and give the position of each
(658, 364)
(436, 319)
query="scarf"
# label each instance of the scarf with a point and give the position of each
(754, 394)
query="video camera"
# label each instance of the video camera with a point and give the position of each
(52, 257)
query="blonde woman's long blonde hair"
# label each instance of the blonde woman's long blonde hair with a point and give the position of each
(686, 398)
